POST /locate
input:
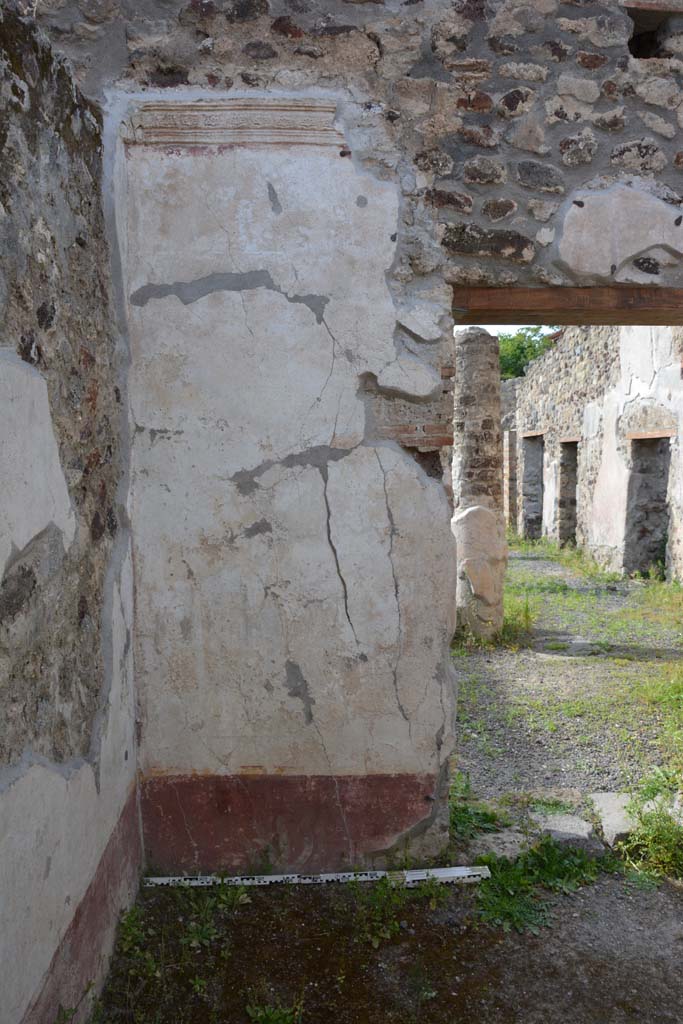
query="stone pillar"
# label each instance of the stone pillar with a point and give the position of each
(510, 477)
(478, 521)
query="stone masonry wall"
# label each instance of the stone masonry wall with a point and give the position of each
(535, 148)
(67, 746)
(478, 523)
(579, 369)
(606, 388)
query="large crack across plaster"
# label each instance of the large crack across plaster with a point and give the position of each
(249, 280)
(392, 534)
(324, 474)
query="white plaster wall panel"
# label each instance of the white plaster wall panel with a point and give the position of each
(551, 485)
(608, 509)
(635, 345)
(34, 491)
(269, 635)
(54, 825)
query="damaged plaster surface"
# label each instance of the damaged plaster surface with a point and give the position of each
(67, 744)
(608, 390)
(294, 604)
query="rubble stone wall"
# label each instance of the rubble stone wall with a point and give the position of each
(530, 145)
(67, 743)
(610, 390)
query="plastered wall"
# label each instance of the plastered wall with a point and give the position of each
(601, 387)
(295, 569)
(69, 835)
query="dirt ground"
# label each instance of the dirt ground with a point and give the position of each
(564, 713)
(612, 955)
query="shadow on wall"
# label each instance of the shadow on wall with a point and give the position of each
(647, 508)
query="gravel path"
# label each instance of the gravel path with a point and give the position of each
(560, 714)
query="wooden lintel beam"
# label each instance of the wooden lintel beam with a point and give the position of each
(619, 304)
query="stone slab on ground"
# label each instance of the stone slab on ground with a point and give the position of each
(570, 830)
(509, 842)
(615, 820)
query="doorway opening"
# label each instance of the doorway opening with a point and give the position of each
(567, 492)
(647, 506)
(532, 486)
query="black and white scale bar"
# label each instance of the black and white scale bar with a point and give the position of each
(448, 876)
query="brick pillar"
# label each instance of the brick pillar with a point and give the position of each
(510, 477)
(478, 522)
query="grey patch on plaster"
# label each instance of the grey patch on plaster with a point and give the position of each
(369, 384)
(298, 687)
(361, 201)
(257, 528)
(191, 291)
(246, 479)
(275, 203)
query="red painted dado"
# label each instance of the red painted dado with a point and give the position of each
(194, 823)
(82, 957)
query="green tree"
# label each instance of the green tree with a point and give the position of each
(518, 349)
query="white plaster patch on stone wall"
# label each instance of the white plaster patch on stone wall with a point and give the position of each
(55, 822)
(551, 492)
(637, 367)
(294, 598)
(622, 233)
(608, 510)
(592, 420)
(34, 491)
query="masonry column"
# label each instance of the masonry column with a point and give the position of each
(478, 522)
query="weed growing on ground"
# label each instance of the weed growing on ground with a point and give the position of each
(378, 909)
(656, 845)
(276, 1014)
(511, 898)
(231, 897)
(380, 905)
(550, 805)
(467, 817)
(519, 614)
(659, 781)
(663, 691)
(468, 820)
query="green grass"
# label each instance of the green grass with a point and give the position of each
(275, 1014)
(520, 609)
(551, 805)
(469, 817)
(573, 558)
(656, 845)
(513, 897)
(661, 691)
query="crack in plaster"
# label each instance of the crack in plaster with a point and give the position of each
(324, 475)
(249, 280)
(392, 534)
